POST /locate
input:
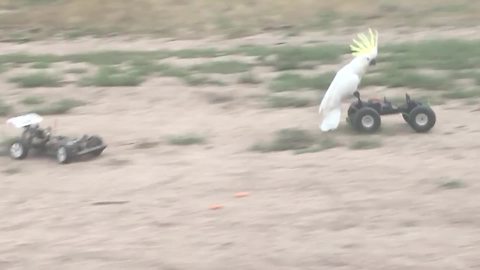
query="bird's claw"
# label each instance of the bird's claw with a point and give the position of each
(357, 95)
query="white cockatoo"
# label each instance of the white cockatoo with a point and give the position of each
(347, 80)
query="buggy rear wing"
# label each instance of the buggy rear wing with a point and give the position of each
(25, 120)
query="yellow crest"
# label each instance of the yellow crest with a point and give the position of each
(365, 45)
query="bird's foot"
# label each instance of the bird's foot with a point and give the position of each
(356, 94)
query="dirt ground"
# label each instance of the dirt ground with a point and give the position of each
(409, 204)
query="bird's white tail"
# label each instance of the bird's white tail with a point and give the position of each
(331, 119)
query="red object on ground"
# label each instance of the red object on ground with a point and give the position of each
(216, 206)
(241, 194)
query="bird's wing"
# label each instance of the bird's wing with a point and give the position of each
(342, 86)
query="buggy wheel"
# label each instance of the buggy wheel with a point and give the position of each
(63, 155)
(18, 150)
(406, 117)
(95, 141)
(422, 118)
(366, 120)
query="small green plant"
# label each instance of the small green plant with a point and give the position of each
(286, 139)
(292, 81)
(11, 171)
(452, 184)
(253, 50)
(32, 100)
(321, 145)
(447, 54)
(143, 67)
(195, 53)
(288, 101)
(5, 109)
(248, 78)
(41, 65)
(76, 70)
(168, 70)
(364, 144)
(110, 58)
(215, 98)
(112, 77)
(186, 75)
(145, 144)
(22, 58)
(409, 79)
(196, 80)
(289, 58)
(222, 67)
(59, 107)
(186, 139)
(38, 79)
(461, 94)
(3, 67)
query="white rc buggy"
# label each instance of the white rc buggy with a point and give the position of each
(65, 149)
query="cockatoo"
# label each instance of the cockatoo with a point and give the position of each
(346, 81)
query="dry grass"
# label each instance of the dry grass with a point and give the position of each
(62, 106)
(231, 18)
(462, 94)
(322, 144)
(288, 102)
(448, 67)
(365, 144)
(300, 141)
(76, 70)
(293, 81)
(186, 139)
(249, 78)
(112, 77)
(146, 144)
(286, 139)
(4, 144)
(5, 108)
(451, 184)
(222, 67)
(38, 79)
(32, 100)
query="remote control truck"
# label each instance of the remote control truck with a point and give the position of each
(365, 116)
(64, 149)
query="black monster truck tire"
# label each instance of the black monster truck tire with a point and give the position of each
(366, 120)
(352, 109)
(422, 118)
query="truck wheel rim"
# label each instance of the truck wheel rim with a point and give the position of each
(61, 154)
(421, 119)
(16, 150)
(368, 121)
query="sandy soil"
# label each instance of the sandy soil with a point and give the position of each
(383, 208)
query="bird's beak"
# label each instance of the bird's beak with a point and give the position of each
(373, 62)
